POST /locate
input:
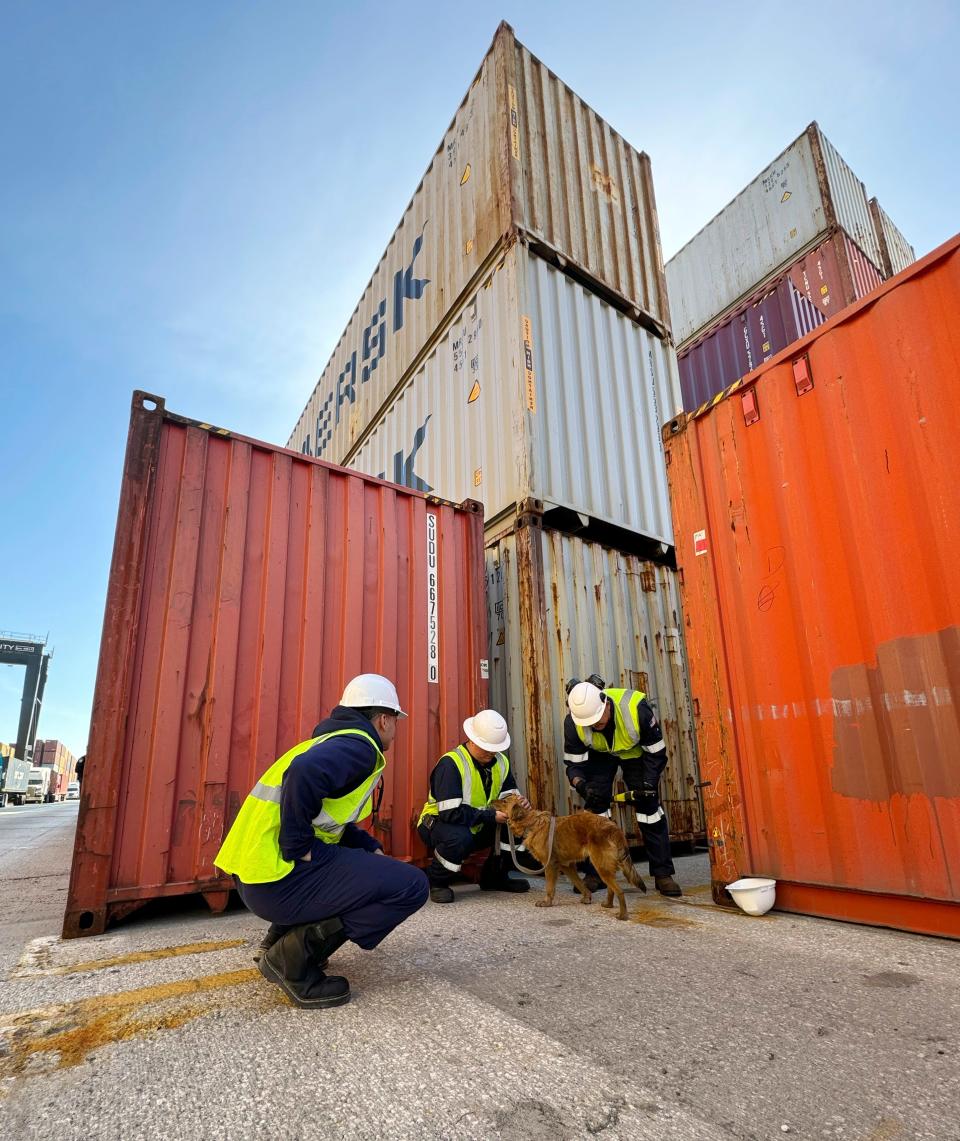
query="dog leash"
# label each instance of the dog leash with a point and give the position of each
(513, 850)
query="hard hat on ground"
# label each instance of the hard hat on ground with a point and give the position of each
(488, 731)
(372, 691)
(586, 703)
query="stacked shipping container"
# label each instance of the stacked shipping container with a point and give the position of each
(512, 346)
(57, 757)
(799, 244)
(818, 530)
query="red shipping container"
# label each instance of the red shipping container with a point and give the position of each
(817, 286)
(817, 515)
(248, 584)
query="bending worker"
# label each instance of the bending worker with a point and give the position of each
(301, 862)
(457, 819)
(607, 729)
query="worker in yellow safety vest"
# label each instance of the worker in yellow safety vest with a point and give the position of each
(457, 819)
(300, 859)
(607, 729)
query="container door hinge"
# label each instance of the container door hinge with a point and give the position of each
(802, 376)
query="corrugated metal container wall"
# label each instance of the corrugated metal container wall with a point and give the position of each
(248, 585)
(806, 192)
(562, 607)
(524, 154)
(818, 285)
(818, 535)
(533, 366)
(895, 251)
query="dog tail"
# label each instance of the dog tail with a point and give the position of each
(629, 870)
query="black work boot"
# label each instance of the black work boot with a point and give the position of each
(291, 965)
(441, 893)
(274, 932)
(495, 876)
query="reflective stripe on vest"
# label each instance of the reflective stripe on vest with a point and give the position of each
(251, 849)
(626, 727)
(473, 792)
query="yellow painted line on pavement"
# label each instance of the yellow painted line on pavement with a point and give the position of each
(60, 1036)
(24, 971)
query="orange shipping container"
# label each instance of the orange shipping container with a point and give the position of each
(817, 521)
(248, 584)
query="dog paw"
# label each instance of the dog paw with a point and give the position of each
(586, 899)
(543, 903)
(621, 917)
(606, 904)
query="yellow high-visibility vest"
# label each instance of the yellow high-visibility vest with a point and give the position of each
(472, 783)
(626, 726)
(251, 849)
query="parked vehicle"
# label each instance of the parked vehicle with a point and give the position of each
(14, 777)
(38, 785)
(57, 789)
(73, 790)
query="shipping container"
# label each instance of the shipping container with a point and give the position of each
(248, 584)
(538, 390)
(818, 285)
(562, 606)
(817, 512)
(14, 777)
(526, 156)
(896, 253)
(807, 192)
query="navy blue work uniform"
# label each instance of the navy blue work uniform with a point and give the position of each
(371, 894)
(598, 772)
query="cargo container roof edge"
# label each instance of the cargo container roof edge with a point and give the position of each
(811, 127)
(797, 349)
(503, 28)
(140, 396)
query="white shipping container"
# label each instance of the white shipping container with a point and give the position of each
(895, 251)
(806, 191)
(538, 390)
(523, 155)
(561, 607)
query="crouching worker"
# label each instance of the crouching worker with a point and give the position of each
(300, 861)
(457, 820)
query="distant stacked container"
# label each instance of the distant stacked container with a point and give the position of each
(56, 756)
(797, 246)
(513, 346)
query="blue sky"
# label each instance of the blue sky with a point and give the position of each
(193, 196)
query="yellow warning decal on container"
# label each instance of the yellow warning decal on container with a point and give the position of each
(824, 290)
(786, 196)
(514, 123)
(468, 248)
(465, 177)
(474, 392)
(501, 638)
(478, 477)
(531, 382)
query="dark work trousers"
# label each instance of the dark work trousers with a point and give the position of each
(370, 894)
(450, 845)
(600, 770)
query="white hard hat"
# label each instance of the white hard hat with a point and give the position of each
(586, 703)
(488, 731)
(372, 691)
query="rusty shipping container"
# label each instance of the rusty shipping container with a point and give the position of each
(563, 606)
(819, 284)
(805, 194)
(248, 584)
(524, 156)
(817, 511)
(896, 253)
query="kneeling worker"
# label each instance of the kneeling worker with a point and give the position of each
(301, 862)
(457, 819)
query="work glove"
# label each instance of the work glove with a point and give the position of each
(644, 798)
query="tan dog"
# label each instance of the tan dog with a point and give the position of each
(575, 838)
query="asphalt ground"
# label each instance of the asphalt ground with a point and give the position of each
(488, 1018)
